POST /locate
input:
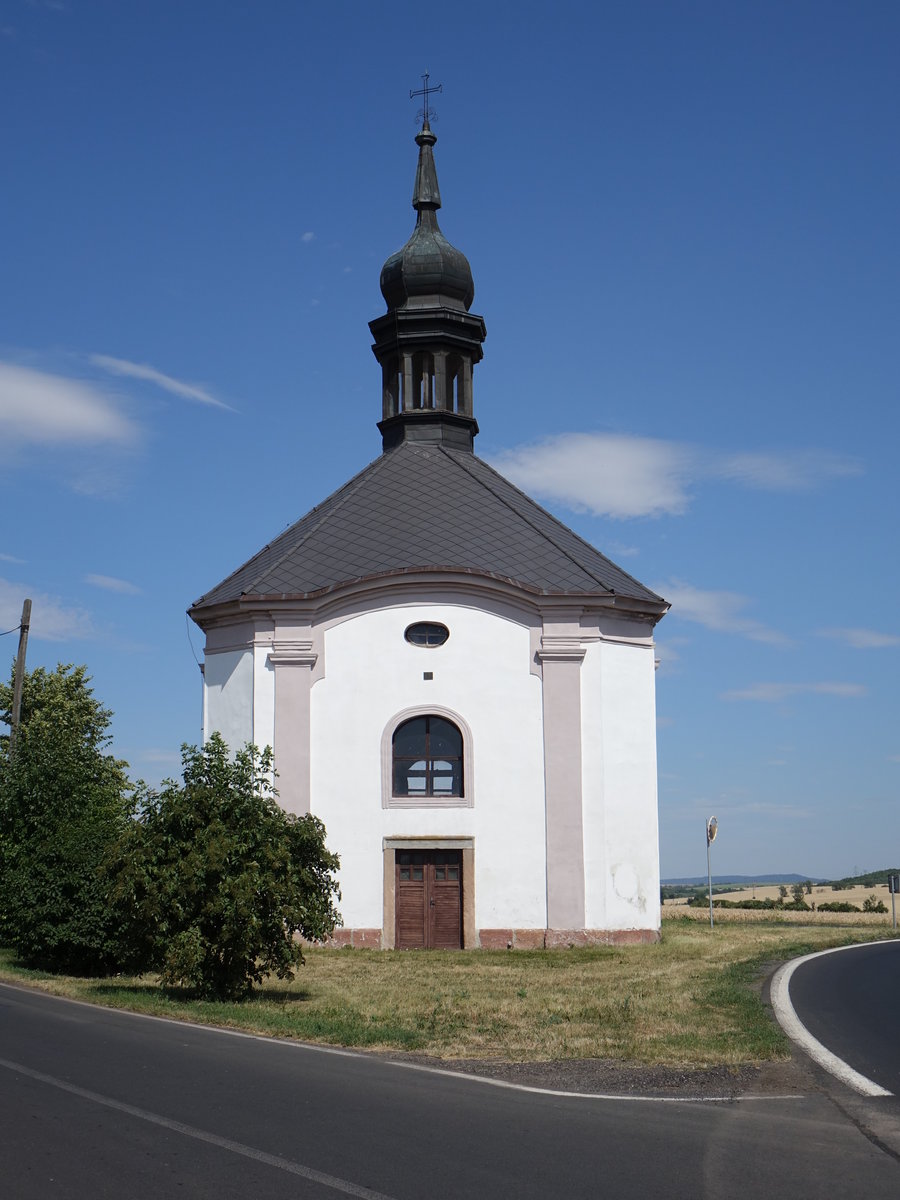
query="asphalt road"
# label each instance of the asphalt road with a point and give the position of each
(848, 1001)
(98, 1103)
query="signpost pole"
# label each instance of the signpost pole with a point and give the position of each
(712, 828)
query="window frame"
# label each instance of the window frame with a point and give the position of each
(429, 625)
(389, 799)
(431, 762)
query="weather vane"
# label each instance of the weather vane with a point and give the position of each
(425, 114)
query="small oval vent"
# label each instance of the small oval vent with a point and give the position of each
(427, 633)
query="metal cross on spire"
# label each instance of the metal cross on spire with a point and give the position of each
(425, 113)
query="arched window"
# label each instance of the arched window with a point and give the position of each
(427, 759)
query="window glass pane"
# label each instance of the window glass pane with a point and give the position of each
(444, 738)
(417, 873)
(409, 738)
(410, 777)
(442, 778)
(427, 633)
(453, 872)
(416, 779)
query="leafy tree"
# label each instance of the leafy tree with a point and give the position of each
(798, 891)
(873, 905)
(782, 893)
(63, 802)
(219, 880)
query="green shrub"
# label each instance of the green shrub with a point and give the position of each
(218, 880)
(838, 906)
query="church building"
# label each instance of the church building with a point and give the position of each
(456, 683)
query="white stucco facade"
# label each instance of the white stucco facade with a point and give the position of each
(558, 822)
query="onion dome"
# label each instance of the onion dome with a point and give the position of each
(428, 271)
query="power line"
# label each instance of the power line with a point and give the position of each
(187, 630)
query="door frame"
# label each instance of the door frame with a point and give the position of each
(466, 845)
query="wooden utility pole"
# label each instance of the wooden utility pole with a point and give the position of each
(19, 677)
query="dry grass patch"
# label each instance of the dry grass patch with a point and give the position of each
(687, 1001)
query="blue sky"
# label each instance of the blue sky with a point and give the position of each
(682, 223)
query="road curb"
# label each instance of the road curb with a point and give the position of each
(795, 1029)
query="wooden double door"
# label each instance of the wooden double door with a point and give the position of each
(428, 899)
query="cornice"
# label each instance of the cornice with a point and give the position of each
(292, 654)
(314, 607)
(561, 649)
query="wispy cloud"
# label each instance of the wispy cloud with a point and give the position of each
(621, 550)
(718, 610)
(10, 558)
(176, 387)
(775, 693)
(861, 639)
(165, 758)
(622, 476)
(611, 474)
(797, 471)
(51, 619)
(309, 236)
(769, 808)
(40, 408)
(110, 584)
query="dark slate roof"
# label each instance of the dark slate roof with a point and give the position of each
(424, 506)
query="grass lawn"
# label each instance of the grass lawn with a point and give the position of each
(688, 1001)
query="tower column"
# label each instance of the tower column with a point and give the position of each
(440, 379)
(465, 390)
(407, 395)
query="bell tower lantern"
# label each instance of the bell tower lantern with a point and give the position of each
(427, 342)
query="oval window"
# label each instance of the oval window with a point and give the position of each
(427, 633)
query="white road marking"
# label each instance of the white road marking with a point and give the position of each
(342, 1052)
(201, 1135)
(797, 1031)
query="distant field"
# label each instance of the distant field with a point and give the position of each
(821, 894)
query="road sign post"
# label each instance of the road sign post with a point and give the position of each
(712, 828)
(894, 888)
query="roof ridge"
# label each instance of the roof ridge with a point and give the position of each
(581, 566)
(350, 487)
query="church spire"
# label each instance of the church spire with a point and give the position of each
(427, 342)
(426, 194)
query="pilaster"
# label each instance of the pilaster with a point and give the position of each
(561, 654)
(292, 663)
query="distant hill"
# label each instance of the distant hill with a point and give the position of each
(868, 879)
(742, 880)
